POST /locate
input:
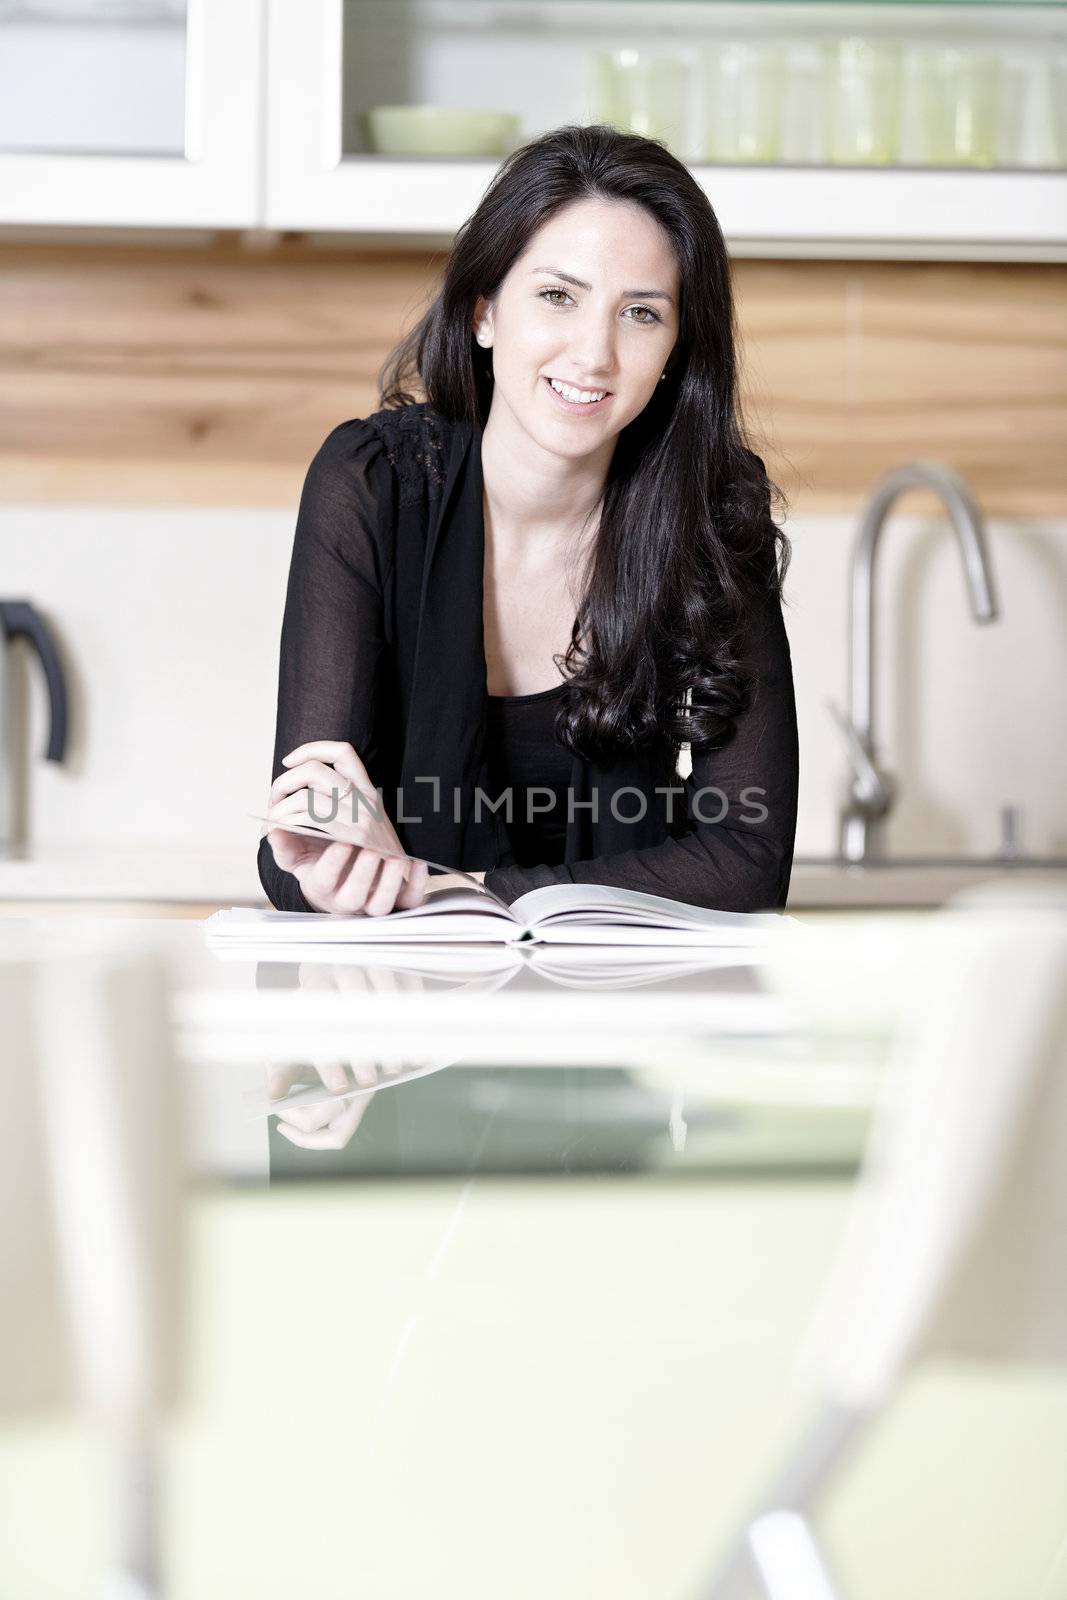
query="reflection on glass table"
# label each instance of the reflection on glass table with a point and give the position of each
(676, 1103)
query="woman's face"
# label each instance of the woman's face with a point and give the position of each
(591, 305)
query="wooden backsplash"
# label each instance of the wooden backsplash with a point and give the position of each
(210, 375)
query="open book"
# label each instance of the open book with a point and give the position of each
(563, 913)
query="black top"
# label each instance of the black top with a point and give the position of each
(382, 647)
(526, 758)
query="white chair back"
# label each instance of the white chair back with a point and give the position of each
(37, 1365)
(91, 1249)
(956, 1240)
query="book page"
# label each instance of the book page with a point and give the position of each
(592, 931)
(603, 905)
(449, 914)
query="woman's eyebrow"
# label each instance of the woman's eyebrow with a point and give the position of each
(640, 294)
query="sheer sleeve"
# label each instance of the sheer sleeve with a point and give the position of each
(737, 851)
(332, 630)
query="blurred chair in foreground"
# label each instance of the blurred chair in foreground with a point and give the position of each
(90, 1215)
(955, 1242)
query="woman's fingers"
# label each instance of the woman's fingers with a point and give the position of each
(334, 1075)
(328, 869)
(304, 808)
(280, 1079)
(342, 874)
(310, 775)
(351, 894)
(329, 1124)
(292, 851)
(323, 880)
(295, 811)
(287, 805)
(333, 770)
(338, 753)
(329, 796)
(336, 1134)
(319, 874)
(382, 897)
(413, 892)
(308, 1119)
(286, 848)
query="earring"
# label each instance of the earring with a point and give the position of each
(482, 336)
(662, 376)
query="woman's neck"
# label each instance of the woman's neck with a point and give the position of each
(531, 494)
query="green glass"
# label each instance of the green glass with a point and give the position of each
(1058, 92)
(743, 89)
(644, 92)
(960, 102)
(861, 80)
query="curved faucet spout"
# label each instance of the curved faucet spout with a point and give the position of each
(969, 524)
(872, 790)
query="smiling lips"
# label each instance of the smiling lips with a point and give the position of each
(575, 400)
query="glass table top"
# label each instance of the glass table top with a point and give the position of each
(473, 1247)
(426, 1063)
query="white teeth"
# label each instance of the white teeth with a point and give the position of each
(579, 396)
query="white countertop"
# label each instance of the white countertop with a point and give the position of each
(228, 877)
(134, 872)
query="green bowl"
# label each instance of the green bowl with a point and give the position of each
(440, 131)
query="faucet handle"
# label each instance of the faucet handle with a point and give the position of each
(1010, 843)
(873, 789)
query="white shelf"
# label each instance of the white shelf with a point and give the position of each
(762, 210)
(833, 212)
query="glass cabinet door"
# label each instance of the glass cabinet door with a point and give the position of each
(130, 111)
(80, 77)
(767, 83)
(837, 128)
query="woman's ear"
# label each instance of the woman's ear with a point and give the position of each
(483, 323)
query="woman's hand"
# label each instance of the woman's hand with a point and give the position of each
(358, 871)
(329, 1122)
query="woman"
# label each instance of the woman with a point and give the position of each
(543, 580)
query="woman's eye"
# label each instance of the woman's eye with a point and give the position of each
(649, 317)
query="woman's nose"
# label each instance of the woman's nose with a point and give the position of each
(593, 350)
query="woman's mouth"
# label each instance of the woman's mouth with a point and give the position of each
(570, 401)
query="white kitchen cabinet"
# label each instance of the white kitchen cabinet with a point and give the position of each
(137, 113)
(250, 114)
(329, 61)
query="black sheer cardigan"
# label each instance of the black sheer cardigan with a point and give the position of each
(382, 646)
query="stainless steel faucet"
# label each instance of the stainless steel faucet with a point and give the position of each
(873, 791)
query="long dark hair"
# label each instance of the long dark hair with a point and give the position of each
(685, 548)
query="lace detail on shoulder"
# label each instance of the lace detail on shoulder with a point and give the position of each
(416, 447)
